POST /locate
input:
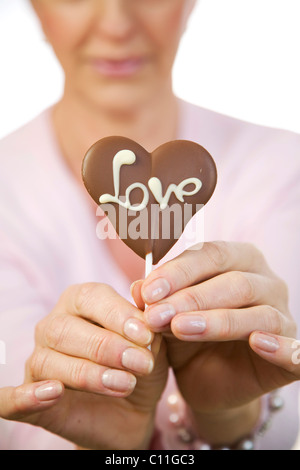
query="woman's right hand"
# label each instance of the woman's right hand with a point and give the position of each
(91, 378)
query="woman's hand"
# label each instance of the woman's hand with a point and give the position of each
(212, 300)
(94, 344)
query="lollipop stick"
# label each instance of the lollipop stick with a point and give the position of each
(148, 264)
(148, 269)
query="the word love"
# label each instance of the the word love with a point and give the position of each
(127, 157)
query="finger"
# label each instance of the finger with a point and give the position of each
(156, 345)
(194, 266)
(136, 293)
(83, 375)
(279, 350)
(234, 289)
(75, 337)
(21, 402)
(229, 324)
(101, 304)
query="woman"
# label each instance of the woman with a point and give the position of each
(225, 332)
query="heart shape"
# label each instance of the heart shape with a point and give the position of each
(149, 197)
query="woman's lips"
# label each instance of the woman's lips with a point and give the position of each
(117, 68)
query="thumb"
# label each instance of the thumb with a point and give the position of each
(281, 351)
(20, 403)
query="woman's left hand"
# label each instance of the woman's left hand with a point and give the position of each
(211, 305)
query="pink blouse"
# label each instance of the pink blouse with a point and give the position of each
(48, 241)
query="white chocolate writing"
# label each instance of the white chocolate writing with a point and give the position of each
(156, 189)
(127, 157)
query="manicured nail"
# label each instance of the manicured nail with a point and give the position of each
(191, 325)
(137, 331)
(48, 391)
(265, 343)
(156, 290)
(160, 315)
(137, 361)
(118, 380)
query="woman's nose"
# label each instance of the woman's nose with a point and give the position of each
(115, 18)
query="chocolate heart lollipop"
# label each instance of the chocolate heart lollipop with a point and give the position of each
(149, 197)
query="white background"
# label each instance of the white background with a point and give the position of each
(238, 57)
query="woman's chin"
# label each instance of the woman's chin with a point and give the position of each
(122, 99)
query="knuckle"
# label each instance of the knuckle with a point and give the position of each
(217, 253)
(255, 254)
(273, 319)
(96, 348)
(84, 296)
(183, 270)
(194, 299)
(189, 300)
(111, 314)
(79, 373)
(110, 311)
(228, 324)
(243, 288)
(90, 296)
(57, 331)
(254, 250)
(37, 364)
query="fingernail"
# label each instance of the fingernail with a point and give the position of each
(191, 325)
(160, 315)
(48, 391)
(118, 380)
(156, 290)
(265, 343)
(137, 331)
(137, 361)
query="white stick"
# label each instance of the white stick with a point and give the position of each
(148, 264)
(148, 269)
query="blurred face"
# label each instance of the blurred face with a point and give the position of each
(115, 53)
